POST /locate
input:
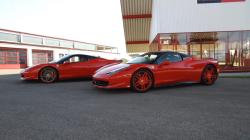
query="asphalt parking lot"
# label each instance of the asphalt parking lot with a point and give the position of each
(76, 110)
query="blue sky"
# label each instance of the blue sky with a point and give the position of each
(93, 21)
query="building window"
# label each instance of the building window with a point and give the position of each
(32, 40)
(229, 48)
(2, 57)
(13, 56)
(9, 37)
(246, 49)
(66, 44)
(51, 42)
(221, 47)
(61, 55)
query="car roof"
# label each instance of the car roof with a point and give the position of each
(81, 55)
(163, 52)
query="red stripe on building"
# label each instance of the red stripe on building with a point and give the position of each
(137, 42)
(137, 16)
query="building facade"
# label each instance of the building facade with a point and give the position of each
(203, 28)
(20, 50)
(218, 29)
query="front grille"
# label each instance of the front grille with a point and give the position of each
(100, 83)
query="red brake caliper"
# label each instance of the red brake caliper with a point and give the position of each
(144, 81)
(141, 81)
(52, 74)
(209, 75)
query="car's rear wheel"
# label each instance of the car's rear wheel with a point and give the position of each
(142, 81)
(209, 75)
(48, 75)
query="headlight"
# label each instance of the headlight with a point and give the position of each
(27, 69)
(116, 70)
(22, 71)
(30, 68)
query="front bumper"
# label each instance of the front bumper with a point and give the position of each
(111, 82)
(28, 76)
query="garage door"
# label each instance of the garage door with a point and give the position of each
(41, 56)
(13, 58)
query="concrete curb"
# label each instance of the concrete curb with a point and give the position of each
(234, 74)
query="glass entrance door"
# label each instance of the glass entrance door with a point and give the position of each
(195, 50)
(202, 50)
(208, 50)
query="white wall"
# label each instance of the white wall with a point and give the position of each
(57, 51)
(173, 16)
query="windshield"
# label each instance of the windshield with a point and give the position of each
(144, 59)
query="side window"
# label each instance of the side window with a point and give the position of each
(91, 57)
(171, 57)
(83, 59)
(75, 59)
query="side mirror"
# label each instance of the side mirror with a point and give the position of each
(165, 63)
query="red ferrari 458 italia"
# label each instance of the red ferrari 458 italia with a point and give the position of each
(155, 69)
(68, 67)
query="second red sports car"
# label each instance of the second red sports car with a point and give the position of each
(70, 66)
(155, 69)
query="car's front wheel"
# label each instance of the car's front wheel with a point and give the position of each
(209, 75)
(48, 75)
(142, 81)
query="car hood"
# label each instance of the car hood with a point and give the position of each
(112, 68)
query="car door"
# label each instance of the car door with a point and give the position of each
(89, 66)
(74, 67)
(94, 63)
(189, 71)
(170, 69)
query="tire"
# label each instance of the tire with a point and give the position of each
(141, 81)
(48, 75)
(209, 75)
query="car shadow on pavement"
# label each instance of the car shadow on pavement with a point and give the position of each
(74, 80)
(59, 81)
(114, 91)
(152, 90)
(16, 78)
(176, 86)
